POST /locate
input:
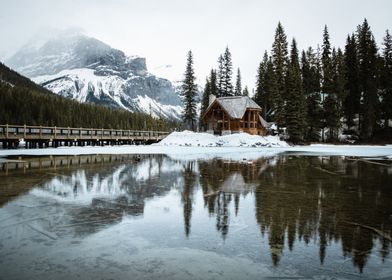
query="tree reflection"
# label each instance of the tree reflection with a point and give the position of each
(304, 199)
(187, 195)
(320, 199)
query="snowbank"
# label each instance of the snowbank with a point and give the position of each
(192, 139)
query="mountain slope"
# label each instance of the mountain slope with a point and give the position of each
(24, 102)
(88, 70)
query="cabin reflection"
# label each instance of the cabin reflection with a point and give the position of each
(319, 200)
(224, 181)
(305, 199)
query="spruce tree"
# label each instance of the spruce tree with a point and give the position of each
(225, 72)
(189, 94)
(351, 102)
(260, 96)
(214, 83)
(327, 71)
(367, 55)
(280, 62)
(270, 86)
(311, 87)
(386, 80)
(238, 86)
(296, 110)
(245, 92)
(333, 101)
(205, 102)
(220, 76)
(330, 100)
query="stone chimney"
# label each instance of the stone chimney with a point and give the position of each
(211, 98)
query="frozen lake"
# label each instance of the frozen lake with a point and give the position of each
(244, 216)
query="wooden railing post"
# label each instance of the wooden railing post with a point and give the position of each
(40, 131)
(55, 132)
(6, 131)
(24, 132)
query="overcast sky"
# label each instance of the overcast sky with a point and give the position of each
(164, 30)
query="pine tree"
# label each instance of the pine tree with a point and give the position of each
(280, 62)
(225, 72)
(205, 102)
(270, 86)
(330, 100)
(311, 87)
(260, 96)
(189, 94)
(333, 101)
(351, 103)
(245, 92)
(220, 76)
(327, 72)
(296, 110)
(214, 83)
(367, 54)
(386, 80)
(238, 86)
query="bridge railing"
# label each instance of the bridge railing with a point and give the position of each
(44, 132)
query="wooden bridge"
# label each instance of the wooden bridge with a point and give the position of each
(43, 136)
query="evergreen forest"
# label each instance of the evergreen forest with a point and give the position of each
(319, 94)
(24, 102)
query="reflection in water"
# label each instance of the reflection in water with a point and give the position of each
(316, 201)
(307, 198)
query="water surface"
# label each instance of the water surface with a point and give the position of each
(156, 217)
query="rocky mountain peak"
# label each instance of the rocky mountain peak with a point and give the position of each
(87, 70)
(71, 52)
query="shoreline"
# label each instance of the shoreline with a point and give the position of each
(187, 151)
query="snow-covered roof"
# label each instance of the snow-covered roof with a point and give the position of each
(236, 106)
(264, 123)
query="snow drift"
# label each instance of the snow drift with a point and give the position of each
(193, 139)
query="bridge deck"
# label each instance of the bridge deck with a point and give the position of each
(14, 133)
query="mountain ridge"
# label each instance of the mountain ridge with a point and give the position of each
(85, 69)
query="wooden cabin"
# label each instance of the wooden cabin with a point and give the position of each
(226, 115)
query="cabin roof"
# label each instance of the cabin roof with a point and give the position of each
(236, 106)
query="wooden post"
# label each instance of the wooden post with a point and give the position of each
(223, 120)
(40, 132)
(24, 132)
(248, 120)
(6, 131)
(254, 120)
(55, 132)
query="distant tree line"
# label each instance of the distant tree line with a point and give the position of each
(24, 102)
(315, 95)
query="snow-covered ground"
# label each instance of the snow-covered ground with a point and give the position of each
(192, 139)
(188, 145)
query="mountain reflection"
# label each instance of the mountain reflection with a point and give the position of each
(102, 197)
(319, 200)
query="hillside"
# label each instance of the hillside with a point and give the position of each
(24, 102)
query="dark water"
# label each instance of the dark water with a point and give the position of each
(281, 217)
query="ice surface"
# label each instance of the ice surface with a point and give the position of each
(188, 145)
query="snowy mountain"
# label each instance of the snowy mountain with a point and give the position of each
(87, 70)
